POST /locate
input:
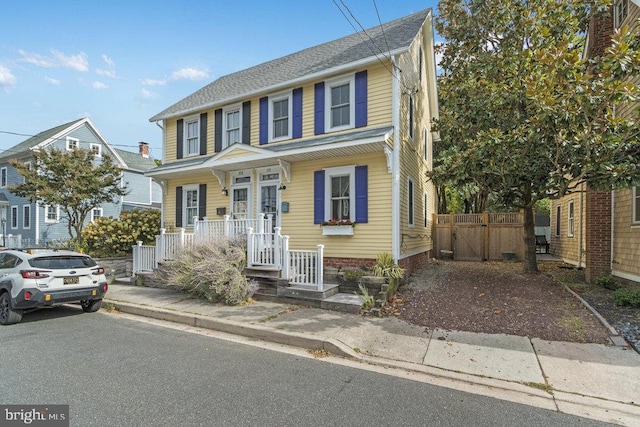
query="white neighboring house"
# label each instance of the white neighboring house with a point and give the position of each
(37, 224)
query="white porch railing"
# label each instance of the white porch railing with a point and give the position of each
(264, 248)
(144, 258)
(11, 240)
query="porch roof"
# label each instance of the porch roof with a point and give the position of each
(340, 145)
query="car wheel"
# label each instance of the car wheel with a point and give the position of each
(8, 315)
(91, 305)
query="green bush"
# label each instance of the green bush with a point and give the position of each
(627, 297)
(367, 301)
(213, 271)
(386, 266)
(353, 275)
(108, 236)
(608, 282)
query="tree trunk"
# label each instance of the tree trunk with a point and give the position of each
(530, 263)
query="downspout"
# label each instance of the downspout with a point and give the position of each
(395, 162)
(580, 233)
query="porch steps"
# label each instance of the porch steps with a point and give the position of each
(262, 272)
(347, 303)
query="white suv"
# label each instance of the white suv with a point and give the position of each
(33, 279)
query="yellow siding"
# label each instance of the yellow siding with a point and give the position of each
(237, 153)
(565, 246)
(368, 239)
(214, 197)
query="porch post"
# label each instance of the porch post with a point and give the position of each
(160, 245)
(227, 225)
(320, 268)
(260, 223)
(249, 247)
(287, 259)
(277, 255)
(137, 252)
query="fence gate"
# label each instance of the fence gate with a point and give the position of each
(477, 237)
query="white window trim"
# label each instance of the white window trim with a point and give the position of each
(98, 152)
(185, 140)
(72, 143)
(427, 143)
(225, 111)
(4, 177)
(275, 98)
(47, 208)
(340, 171)
(187, 220)
(352, 102)
(617, 19)
(14, 217)
(26, 208)
(28, 164)
(426, 209)
(93, 217)
(411, 203)
(571, 220)
(635, 206)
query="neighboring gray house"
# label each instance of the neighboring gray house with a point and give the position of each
(38, 224)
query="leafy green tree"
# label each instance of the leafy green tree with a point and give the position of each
(524, 113)
(74, 180)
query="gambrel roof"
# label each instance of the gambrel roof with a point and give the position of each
(392, 37)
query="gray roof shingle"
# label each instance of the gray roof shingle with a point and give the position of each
(135, 161)
(393, 36)
(29, 143)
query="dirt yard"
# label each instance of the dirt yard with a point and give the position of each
(496, 297)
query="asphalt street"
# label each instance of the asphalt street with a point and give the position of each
(113, 370)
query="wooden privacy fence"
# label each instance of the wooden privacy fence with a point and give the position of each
(478, 237)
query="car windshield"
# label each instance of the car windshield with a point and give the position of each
(59, 261)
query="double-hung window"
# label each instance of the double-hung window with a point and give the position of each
(340, 104)
(96, 213)
(26, 216)
(190, 203)
(51, 213)
(410, 203)
(280, 112)
(232, 126)
(96, 149)
(558, 214)
(72, 143)
(339, 184)
(570, 219)
(3, 177)
(192, 136)
(14, 217)
(411, 113)
(620, 10)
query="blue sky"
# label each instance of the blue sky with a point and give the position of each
(120, 62)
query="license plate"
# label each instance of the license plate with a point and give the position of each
(70, 280)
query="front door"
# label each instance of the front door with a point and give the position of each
(268, 204)
(240, 202)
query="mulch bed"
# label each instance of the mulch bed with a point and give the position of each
(496, 298)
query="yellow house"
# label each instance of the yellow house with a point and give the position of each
(339, 133)
(600, 230)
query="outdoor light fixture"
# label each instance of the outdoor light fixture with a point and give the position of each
(282, 187)
(225, 192)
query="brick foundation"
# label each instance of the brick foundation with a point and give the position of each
(410, 264)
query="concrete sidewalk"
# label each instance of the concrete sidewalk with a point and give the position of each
(589, 380)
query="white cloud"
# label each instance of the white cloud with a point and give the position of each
(111, 67)
(99, 85)
(6, 78)
(145, 95)
(153, 82)
(189, 74)
(58, 59)
(51, 81)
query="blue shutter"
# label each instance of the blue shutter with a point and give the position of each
(297, 113)
(179, 136)
(264, 120)
(217, 135)
(362, 195)
(246, 122)
(178, 206)
(203, 133)
(318, 197)
(361, 99)
(318, 115)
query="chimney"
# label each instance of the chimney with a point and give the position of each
(143, 149)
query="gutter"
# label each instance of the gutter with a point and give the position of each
(395, 162)
(274, 87)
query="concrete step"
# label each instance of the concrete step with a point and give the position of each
(262, 272)
(348, 303)
(307, 292)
